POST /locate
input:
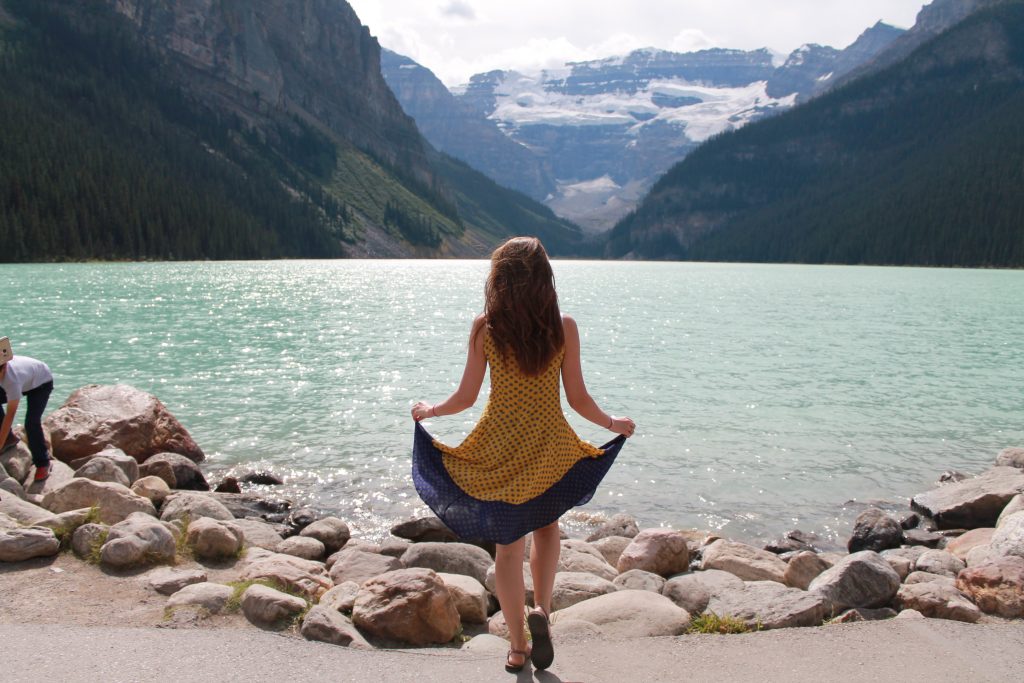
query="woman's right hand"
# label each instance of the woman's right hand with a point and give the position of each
(623, 425)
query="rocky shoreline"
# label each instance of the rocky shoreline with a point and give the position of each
(126, 494)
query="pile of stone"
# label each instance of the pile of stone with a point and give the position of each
(129, 502)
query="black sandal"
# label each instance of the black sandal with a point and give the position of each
(540, 629)
(514, 668)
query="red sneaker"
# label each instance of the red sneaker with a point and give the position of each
(42, 473)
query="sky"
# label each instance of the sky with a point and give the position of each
(458, 38)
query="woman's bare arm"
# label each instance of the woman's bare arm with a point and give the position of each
(576, 392)
(472, 379)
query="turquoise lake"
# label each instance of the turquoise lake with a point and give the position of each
(767, 397)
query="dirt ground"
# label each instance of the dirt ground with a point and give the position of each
(66, 590)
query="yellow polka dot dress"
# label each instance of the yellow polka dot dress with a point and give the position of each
(520, 468)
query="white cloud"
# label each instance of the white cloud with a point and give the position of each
(457, 38)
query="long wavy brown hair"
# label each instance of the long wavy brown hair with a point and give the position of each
(521, 305)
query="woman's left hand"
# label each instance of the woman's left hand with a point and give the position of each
(422, 411)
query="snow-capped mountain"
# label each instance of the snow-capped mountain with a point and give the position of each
(605, 130)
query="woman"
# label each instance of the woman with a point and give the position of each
(31, 378)
(522, 466)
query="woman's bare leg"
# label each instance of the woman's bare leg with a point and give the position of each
(544, 554)
(508, 577)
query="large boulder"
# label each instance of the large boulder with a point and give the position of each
(578, 556)
(573, 587)
(638, 579)
(186, 505)
(1009, 537)
(1015, 505)
(259, 534)
(97, 416)
(138, 541)
(620, 524)
(303, 546)
(997, 587)
(168, 581)
(410, 606)
(17, 545)
(115, 502)
(744, 561)
(87, 540)
(863, 579)
(770, 605)
(611, 548)
(128, 465)
(331, 531)
(214, 539)
(26, 513)
(1010, 457)
(60, 474)
(270, 608)
(629, 614)
(153, 488)
(937, 599)
(343, 596)
(875, 530)
(360, 566)
(186, 473)
(470, 597)
(962, 545)
(659, 551)
(690, 592)
(971, 503)
(256, 505)
(450, 558)
(302, 576)
(328, 625)
(17, 462)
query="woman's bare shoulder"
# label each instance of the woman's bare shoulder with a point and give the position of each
(568, 321)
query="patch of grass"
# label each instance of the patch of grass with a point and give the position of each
(96, 546)
(709, 622)
(66, 532)
(182, 549)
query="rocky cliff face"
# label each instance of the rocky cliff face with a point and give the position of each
(262, 60)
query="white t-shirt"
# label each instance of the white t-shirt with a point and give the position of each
(24, 374)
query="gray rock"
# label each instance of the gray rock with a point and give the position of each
(302, 546)
(573, 587)
(951, 477)
(411, 606)
(629, 614)
(611, 548)
(469, 595)
(875, 530)
(211, 597)
(926, 577)
(187, 475)
(660, 551)
(638, 579)
(771, 605)
(1015, 505)
(937, 600)
(424, 529)
(744, 561)
(214, 539)
(259, 534)
(330, 626)
(103, 469)
(690, 592)
(803, 568)
(254, 505)
(60, 474)
(128, 465)
(299, 519)
(185, 505)
(87, 540)
(115, 502)
(620, 524)
(359, 566)
(928, 539)
(1009, 537)
(904, 559)
(17, 462)
(860, 614)
(486, 644)
(394, 547)
(863, 579)
(25, 512)
(980, 554)
(11, 485)
(330, 531)
(262, 479)
(140, 540)
(269, 608)
(1010, 457)
(167, 581)
(971, 503)
(910, 521)
(450, 558)
(940, 562)
(341, 598)
(911, 614)
(302, 576)
(159, 468)
(18, 545)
